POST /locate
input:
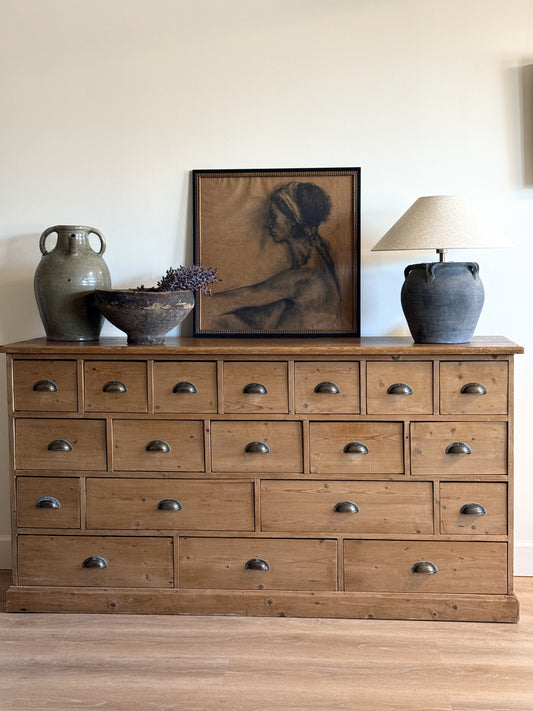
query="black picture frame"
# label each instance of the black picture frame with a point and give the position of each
(286, 243)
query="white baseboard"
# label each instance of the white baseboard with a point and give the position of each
(5, 552)
(523, 558)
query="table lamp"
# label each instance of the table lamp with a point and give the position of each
(442, 301)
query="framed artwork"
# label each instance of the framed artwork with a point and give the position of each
(286, 244)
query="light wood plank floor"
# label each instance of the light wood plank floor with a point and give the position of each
(66, 662)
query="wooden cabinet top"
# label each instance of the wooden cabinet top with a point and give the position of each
(349, 347)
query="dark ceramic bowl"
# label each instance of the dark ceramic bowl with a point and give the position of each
(145, 316)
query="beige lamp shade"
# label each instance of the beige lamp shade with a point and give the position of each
(442, 222)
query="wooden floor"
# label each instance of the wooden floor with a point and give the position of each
(64, 662)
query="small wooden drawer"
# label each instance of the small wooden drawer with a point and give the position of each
(356, 447)
(115, 386)
(256, 446)
(61, 445)
(158, 445)
(474, 387)
(177, 504)
(458, 448)
(255, 386)
(328, 387)
(103, 561)
(258, 564)
(48, 502)
(185, 387)
(473, 508)
(45, 385)
(425, 567)
(399, 388)
(346, 506)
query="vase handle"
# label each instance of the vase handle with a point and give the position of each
(43, 239)
(94, 231)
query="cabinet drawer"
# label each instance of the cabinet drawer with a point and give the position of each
(390, 566)
(459, 448)
(185, 387)
(256, 446)
(327, 387)
(177, 504)
(68, 560)
(115, 386)
(48, 502)
(345, 506)
(258, 564)
(158, 445)
(473, 508)
(45, 385)
(253, 386)
(399, 388)
(59, 444)
(356, 447)
(474, 387)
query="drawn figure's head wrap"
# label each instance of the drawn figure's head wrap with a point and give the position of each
(305, 203)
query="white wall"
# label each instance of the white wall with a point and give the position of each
(106, 107)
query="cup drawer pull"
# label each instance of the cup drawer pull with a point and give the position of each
(458, 448)
(346, 507)
(327, 388)
(399, 389)
(355, 448)
(45, 386)
(95, 561)
(473, 510)
(60, 445)
(473, 389)
(115, 386)
(47, 502)
(169, 505)
(257, 448)
(185, 387)
(257, 564)
(254, 389)
(158, 445)
(424, 567)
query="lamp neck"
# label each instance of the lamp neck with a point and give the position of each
(442, 254)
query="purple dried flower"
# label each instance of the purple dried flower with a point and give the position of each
(195, 278)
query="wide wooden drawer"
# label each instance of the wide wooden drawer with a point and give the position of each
(135, 562)
(399, 388)
(61, 445)
(473, 508)
(177, 504)
(255, 386)
(185, 387)
(258, 564)
(345, 506)
(425, 566)
(158, 445)
(327, 387)
(458, 448)
(115, 386)
(256, 446)
(48, 502)
(356, 447)
(45, 385)
(474, 387)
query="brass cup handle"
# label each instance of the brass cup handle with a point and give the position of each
(473, 389)
(399, 389)
(257, 448)
(458, 448)
(59, 445)
(115, 386)
(169, 505)
(473, 509)
(47, 502)
(45, 386)
(424, 567)
(355, 448)
(185, 387)
(255, 389)
(346, 507)
(327, 388)
(158, 445)
(95, 561)
(256, 564)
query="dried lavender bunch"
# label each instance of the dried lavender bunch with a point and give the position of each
(195, 278)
